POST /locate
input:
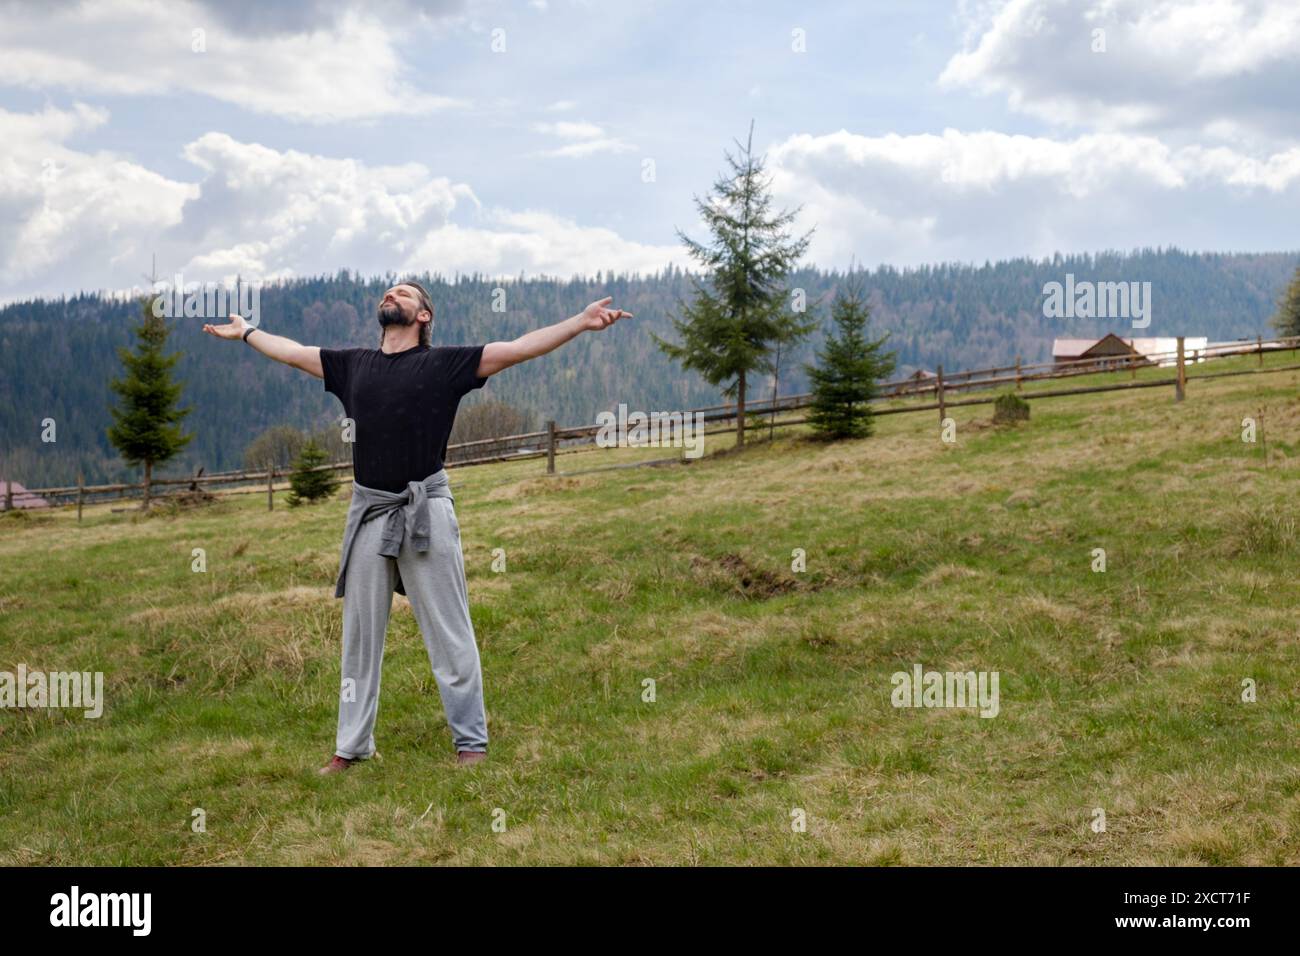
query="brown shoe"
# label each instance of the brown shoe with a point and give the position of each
(470, 756)
(337, 764)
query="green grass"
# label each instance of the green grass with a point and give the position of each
(1119, 690)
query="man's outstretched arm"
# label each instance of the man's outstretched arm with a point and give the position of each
(502, 355)
(305, 357)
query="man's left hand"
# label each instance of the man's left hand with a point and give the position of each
(599, 316)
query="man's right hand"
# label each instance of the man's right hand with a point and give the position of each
(235, 328)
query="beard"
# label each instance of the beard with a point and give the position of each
(390, 314)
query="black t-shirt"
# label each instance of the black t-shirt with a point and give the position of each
(403, 405)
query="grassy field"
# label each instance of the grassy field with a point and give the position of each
(1119, 690)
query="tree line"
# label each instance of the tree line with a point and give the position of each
(750, 317)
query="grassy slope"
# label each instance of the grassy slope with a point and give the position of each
(1119, 690)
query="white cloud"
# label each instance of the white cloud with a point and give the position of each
(971, 196)
(345, 68)
(267, 211)
(569, 130)
(590, 139)
(1214, 67)
(71, 219)
(589, 148)
(60, 208)
(537, 243)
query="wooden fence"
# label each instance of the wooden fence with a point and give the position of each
(554, 441)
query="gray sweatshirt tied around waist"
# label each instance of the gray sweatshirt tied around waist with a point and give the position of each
(403, 512)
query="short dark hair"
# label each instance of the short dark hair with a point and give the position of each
(426, 305)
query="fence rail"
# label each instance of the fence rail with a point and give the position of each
(554, 440)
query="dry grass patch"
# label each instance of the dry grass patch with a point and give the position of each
(532, 487)
(292, 597)
(945, 573)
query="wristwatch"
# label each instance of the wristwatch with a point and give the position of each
(248, 332)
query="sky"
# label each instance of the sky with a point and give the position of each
(562, 137)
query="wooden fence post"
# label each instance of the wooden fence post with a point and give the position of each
(1259, 345)
(550, 446)
(1180, 384)
(81, 493)
(270, 486)
(938, 388)
(1019, 385)
(9, 495)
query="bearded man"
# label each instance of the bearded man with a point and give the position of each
(401, 532)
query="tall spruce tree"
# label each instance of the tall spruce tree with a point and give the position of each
(740, 312)
(849, 368)
(146, 428)
(1287, 318)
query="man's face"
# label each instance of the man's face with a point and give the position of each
(399, 306)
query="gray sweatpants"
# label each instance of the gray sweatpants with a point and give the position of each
(434, 581)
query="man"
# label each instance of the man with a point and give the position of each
(401, 531)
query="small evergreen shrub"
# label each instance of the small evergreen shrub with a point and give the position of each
(306, 484)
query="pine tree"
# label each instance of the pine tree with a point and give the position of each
(146, 429)
(1287, 318)
(740, 312)
(849, 367)
(305, 483)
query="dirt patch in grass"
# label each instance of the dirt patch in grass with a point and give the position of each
(732, 573)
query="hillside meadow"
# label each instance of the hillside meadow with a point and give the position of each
(1120, 690)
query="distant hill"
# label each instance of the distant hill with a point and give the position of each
(57, 356)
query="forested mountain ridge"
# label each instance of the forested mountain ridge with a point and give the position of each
(57, 356)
